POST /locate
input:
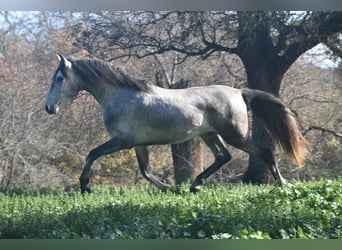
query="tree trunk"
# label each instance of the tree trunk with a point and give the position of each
(186, 156)
(263, 73)
(257, 171)
(187, 160)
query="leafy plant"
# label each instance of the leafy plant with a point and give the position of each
(301, 210)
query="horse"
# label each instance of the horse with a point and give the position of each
(138, 114)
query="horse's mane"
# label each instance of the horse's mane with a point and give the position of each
(93, 71)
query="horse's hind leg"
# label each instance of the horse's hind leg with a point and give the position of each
(264, 154)
(142, 155)
(268, 157)
(221, 154)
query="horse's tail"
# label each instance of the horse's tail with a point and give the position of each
(279, 121)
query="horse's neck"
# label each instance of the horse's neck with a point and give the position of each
(102, 92)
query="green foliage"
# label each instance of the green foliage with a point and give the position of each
(301, 210)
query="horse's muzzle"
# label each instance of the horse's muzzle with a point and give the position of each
(51, 109)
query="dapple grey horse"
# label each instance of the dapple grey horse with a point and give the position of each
(137, 114)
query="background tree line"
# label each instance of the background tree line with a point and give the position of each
(174, 50)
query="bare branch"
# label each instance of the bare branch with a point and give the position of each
(334, 43)
(323, 130)
(313, 29)
(318, 99)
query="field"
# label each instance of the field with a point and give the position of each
(301, 210)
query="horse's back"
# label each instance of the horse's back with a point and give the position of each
(223, 108)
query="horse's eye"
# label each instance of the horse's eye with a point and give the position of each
(60, 78)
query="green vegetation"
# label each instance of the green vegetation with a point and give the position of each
(301, 210)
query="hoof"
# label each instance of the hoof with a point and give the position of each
(86, 189)
(284, 181)
(195, 189)
(281, 182)
(165, 188)
(196, 186)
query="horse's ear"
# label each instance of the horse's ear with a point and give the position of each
(64, 61)
(59, 57)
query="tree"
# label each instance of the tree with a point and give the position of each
(22, 147)
(30, 155)
(268, 57)
(267, 43)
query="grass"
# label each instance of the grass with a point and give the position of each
(301, 210)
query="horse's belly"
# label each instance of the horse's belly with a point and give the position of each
(162, 139)
(175, 133)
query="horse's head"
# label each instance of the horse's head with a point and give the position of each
(63, 86)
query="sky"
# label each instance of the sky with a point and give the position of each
(319, 57)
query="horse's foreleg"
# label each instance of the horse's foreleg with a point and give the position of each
(221, 154)
(142, 155)
(111, 146)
